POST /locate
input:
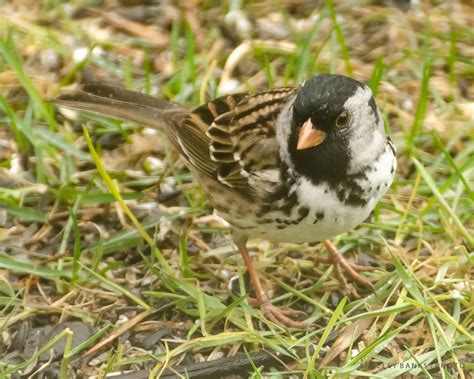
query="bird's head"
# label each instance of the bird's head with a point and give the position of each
(335, 129)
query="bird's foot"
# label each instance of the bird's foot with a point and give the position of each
(279, 316)
(340, 264)
(283, 317)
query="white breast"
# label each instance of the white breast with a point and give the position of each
(328, 216)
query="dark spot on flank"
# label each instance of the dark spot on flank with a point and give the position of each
(281, 226)
(392, 170)
(355, 200)
(284, 172)
(287, 208)
(303, 212)
(341, 195)
(318, 216)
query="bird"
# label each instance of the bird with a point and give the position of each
(295, 164)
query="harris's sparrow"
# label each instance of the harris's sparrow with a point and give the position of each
(292, 164)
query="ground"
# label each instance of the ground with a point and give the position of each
(111, 261)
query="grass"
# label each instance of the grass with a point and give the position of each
(101, 223)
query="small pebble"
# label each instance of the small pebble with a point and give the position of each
(121, 320)
(455, 294)
(240, 22)
(154, 164)
(230, 86)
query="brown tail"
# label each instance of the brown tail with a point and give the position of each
(125, 105)
(176, 121)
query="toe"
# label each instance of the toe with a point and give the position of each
(360, 268)
(361, 280)
(282, 317)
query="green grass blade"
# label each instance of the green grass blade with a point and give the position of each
(434, 188)
(377, 74)
(417, 126)
(8, 50)
(340, 36)
(327, 330)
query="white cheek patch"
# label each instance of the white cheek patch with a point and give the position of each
(363, 153)
(367, 139)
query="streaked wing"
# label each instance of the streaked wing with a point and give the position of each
(243, 139)
(228, 139)
(192, 135)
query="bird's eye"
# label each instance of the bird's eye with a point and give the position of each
(343, 119)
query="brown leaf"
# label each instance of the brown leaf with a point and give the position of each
(346, 339)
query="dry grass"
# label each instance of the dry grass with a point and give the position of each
(70, 255)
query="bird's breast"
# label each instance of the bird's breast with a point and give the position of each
(309, 212)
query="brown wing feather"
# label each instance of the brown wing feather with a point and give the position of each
(227, 139)
(253, 127)
(243, 139)
(193, 137)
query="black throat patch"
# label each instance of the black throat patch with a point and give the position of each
(327, 162)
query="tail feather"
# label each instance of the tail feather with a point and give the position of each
(176, 121)
(125, 105)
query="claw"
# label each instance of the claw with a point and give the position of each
(351, 269)
(271, 312)
(282, 316)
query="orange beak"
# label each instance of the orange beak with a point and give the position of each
(309, 136)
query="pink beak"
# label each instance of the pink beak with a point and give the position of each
(309, 136)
